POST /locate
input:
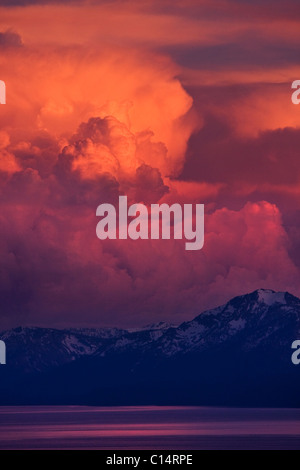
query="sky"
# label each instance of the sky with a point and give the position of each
(164, 101)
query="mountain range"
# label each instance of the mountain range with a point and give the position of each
(238, 354)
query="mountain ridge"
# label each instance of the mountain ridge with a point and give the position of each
(216, 358)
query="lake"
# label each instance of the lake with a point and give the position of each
(148, 428)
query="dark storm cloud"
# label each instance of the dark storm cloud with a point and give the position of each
(149, 184)
(228, 9)
(190, 8)
(246, 52)
(10, 39)
(215, 154)
(20, 3)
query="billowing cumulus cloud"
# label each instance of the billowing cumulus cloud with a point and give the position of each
(80, 128)
(72, 85)
(143, 100)
(55, 271)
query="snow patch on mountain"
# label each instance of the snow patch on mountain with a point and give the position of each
(77, 347)
(153, 327)
(237, 325)
(269, 297)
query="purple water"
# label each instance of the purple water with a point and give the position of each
(153, 428)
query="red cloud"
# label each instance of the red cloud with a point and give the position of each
(96, 112)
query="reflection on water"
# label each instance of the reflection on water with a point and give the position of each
(170, 428)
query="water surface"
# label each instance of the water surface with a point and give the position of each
(153, 428)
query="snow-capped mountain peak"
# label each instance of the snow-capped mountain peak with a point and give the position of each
(239, 353)
(255, 317)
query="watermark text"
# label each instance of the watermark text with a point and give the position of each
(296, 94)
(2, 92)
(296, 354)
(2, 353)
(161, 222)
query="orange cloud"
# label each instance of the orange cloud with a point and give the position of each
(129, 23)
(94, 109)
(55, 90)
(263, 109)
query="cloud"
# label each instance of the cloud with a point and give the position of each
(70, 86)
(150, 187)
(216, 155)
(76, 134)
(10, 39)
(56, 272)
(21, 3)
(95, 112)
